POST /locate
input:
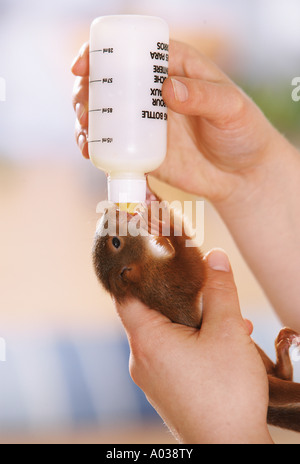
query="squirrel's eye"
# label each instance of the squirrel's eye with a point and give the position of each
(116, 242)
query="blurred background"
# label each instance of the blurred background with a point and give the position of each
(66, 377)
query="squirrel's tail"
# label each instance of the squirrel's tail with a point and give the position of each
(286, 417)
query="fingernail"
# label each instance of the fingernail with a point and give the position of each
(79, 56)
(80, 110)
(81, 141)
(218, 261)
(82, 50)
(180, 91)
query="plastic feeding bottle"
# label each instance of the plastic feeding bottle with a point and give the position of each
(127, 115)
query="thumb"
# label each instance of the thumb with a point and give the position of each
(220, 297)
(196, 97)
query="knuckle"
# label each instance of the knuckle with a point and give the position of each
(74, 100)
(146, 354)
(134, 369)
(78, 129)
(234, 105)
(136, 347)
(80, 90)
(139, 359)
(141, 347)
(230, 325)
(230, 329)
(237, 102)
(145, 348)
(76, 86)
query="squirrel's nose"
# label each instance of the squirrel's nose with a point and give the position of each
(123, 272)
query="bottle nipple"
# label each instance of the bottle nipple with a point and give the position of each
(128, 207)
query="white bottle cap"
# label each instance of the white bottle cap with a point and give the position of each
(127, 190)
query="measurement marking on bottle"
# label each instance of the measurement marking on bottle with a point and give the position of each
(102, 110)
(103, 140)
(103, 50)
(105, 80)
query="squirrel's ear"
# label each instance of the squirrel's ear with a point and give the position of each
(161, 247)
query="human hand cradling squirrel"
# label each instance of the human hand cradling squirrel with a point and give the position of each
(208, 385)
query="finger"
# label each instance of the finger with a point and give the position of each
(81, 137)
(80, 91)
(220, 298)
(80, 65)
(249, 326)
(148, 332)
(219, 102)
(184, 60)
(80, 100)
(82, 114)
(138, 318)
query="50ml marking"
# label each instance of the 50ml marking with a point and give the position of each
(2, 89)
(103, 50)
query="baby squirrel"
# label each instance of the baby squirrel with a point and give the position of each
(167, 276)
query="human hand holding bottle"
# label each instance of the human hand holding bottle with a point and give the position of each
(216, 134)
(221, 146)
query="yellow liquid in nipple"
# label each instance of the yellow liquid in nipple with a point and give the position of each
(128, 207)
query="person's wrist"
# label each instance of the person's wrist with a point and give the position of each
(264, 183)
(253, 435)
(264, 437)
